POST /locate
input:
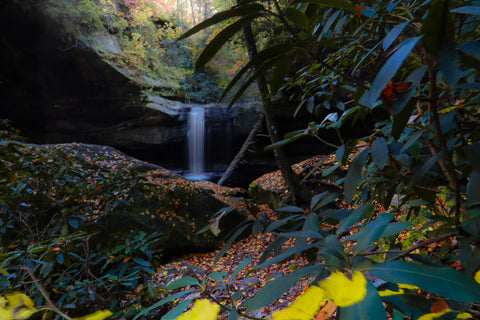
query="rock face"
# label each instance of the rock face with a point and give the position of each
(56, 92)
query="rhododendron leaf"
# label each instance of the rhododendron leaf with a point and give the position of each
(343, 291)
(99, 315)
(305, 306)
(202, 310)
(370, 307)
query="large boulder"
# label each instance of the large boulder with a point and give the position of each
(103, 191)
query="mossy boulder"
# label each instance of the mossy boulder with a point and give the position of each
(98, 189)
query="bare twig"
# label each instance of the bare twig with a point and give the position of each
(44, 293)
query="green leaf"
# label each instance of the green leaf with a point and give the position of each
(292, 209)
(302, 234)
(439, 25)
(362, 212)
(353, 175)
(277, 287)
(297, 17)
(369, 308)
(391, 229)
(221, 38)
(277, 224)
(227, 14)
(145, 311)
(473, 189)
(330, 198)
(328, 24)
(340, 4)
(142, 262)
(472, 48)
(387, 72)
(401, 119)
(449, 63)
(393, 34)
(217, 275)
(446, 282)
(333, 246)
(373, 232)
(426, 167)
(411, 305)
(242, 265)
(284, 255)
(283, 142)
(230, 240)
(379, 151)
(182, 282)
(178, 310)
(404, 97)
(475, 10)
(261, 58)
(279, 74)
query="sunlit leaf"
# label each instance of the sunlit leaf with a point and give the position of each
(304, 307)
(99, 315)
(178, 310)
(202, 310)
(344, 291)
(275, 288)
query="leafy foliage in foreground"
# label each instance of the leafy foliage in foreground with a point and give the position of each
(91, 227)
(412, 70)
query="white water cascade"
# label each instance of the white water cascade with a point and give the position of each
(196, 143)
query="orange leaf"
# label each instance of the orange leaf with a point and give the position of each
(13, 178)
(390, 91)
(359, 8)
(439, 306)
(326, 311)
(127, 259)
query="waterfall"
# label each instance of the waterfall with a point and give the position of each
(196, 143)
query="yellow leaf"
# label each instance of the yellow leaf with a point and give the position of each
(20, 306)
(343, 291)
(434, 315)
(99, 315)
(464, 315)
(305, 306)
(408, 286)
(202, 310)
(388, 292)
(477, 276)
(5, 314)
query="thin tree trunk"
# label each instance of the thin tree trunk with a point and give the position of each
(192, 5)
(298, 191)
(243, 149)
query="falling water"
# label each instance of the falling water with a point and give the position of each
(196, 137)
